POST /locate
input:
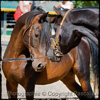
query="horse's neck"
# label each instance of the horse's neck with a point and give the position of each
(85, 17)
(15, 46)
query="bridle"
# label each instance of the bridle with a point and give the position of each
(29, 42)
(29, 47)
(29, 34)
(55, 44)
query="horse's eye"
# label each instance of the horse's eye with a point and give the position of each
(36, 35)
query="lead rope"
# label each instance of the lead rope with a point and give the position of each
(55, 44)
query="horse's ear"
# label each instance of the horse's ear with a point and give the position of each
(59, 12)
(43, 17)
(56, 10)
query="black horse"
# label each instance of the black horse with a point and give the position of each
(78, 23)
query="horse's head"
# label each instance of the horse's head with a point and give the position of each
(69, 36)
(37, 40)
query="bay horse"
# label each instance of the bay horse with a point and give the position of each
(32, 38)
(20, 42)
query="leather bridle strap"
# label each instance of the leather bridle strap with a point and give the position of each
(64, 18)
(59, 32)
(30, 31)
(55, 44)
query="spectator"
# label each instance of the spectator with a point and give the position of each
(65, 5)
(23, 7)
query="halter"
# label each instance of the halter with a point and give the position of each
(30, 50)
(55, 44)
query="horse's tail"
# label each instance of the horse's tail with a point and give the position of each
(95, 61)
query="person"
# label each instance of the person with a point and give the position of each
(23, 7)
(65, 5)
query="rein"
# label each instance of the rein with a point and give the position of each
(55, 43)
(24, 59)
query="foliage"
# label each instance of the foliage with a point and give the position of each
(81, 3)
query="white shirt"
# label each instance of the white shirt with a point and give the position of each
(26, 5)
(27, 2)
(67, 5)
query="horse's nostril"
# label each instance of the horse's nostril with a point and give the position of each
(40, 66)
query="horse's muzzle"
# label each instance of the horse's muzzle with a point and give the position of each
(38, 67)
(41, 66)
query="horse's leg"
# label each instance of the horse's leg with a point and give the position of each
(31, 86)
(30, 90)
(86, 87)
(82, 70)
(11, 89)
(69, 81)
(83, 74)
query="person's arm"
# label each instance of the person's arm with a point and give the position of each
(30, 6)
(58, 6)
(72, 6)
(21, 6)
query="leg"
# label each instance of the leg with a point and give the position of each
(72, 85)
(11, 89)
(30, 90)
(86, 87)
(83, 74)
(31, 86)
(82, 70)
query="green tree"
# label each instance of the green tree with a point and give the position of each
(81, 3)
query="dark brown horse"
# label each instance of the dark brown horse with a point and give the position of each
(33, 38)
(25, 37)
(79, 22)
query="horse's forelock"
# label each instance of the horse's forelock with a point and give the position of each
(45, 38)
(29, 19)
(35, 11)
(45, 34)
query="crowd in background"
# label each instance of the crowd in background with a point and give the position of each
(25, 6)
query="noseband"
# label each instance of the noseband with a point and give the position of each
(55, 44)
